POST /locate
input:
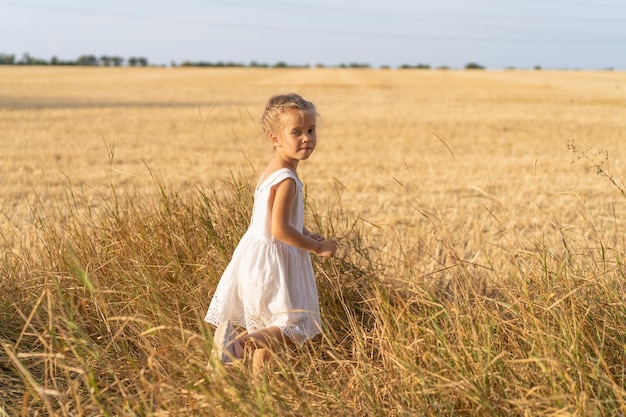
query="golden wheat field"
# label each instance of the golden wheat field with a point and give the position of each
(397, 144)
(505, 188)
(451, 138)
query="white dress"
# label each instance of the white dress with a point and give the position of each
(267, 282)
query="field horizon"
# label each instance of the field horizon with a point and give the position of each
(480, 216)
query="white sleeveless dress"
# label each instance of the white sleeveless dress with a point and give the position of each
(267, 282)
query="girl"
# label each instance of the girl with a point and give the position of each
(268, 287)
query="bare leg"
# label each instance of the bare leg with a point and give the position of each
(269, 338)
(263, 343)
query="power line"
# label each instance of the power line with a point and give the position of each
(501, 38)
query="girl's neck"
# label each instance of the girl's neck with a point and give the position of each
(275, 164)
(278, 161)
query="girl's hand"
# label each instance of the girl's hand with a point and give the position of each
(327, 247)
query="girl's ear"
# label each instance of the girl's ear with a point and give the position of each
(274, 139)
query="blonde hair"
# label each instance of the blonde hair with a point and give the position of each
(277, 106)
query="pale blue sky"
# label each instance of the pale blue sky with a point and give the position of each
(585, 34)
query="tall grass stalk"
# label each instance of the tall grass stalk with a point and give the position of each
(105, 317)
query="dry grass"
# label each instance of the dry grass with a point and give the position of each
(480, 273)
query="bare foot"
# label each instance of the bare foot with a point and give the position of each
(227, 346)
(260, 359)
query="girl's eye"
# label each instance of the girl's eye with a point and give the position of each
(296, 133)
(311, 131)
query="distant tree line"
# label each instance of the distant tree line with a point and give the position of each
(468, 66)
(231, 64)
(255, 64)
(117, 61)
(83, 60)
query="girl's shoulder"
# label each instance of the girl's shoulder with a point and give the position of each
(273, 177)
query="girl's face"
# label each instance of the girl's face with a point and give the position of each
(297, 138)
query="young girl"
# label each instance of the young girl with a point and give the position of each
(268, 287)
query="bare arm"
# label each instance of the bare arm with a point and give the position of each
(284, 193)
(312, 235)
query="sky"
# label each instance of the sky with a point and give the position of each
(551, 34)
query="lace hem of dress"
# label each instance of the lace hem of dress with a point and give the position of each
(298, 326)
